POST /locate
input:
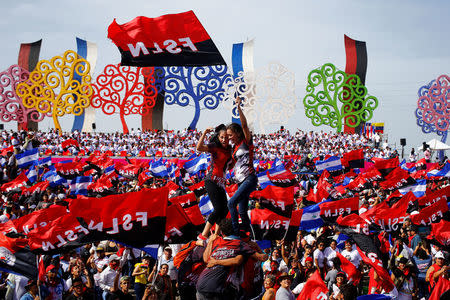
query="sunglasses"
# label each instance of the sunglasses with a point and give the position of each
(77, 286)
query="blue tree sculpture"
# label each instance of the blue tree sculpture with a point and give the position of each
(195, 86)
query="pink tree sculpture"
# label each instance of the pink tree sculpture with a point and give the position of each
(11, 106)
(434, 106)
(119, 90)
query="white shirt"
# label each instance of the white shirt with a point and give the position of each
(330, 254)
(319, 256)
(105, 279)
(353, 256)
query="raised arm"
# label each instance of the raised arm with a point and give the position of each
(243, 120)
(201, 142)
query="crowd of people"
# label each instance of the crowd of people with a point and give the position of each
(225, 262)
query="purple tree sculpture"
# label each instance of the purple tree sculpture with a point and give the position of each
(11, 107)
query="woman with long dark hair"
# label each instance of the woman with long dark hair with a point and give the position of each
(215, 180)
(244, 172)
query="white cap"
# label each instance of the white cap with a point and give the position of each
(439, 254)
(113, 257)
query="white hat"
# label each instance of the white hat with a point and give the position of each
(113, 257)
(439, 254)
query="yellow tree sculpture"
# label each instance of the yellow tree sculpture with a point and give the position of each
(60, 86)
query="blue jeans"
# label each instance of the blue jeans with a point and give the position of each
(241, 198)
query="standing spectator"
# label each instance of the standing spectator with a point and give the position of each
(414, 238)
(167, 259)
(141, 272)
(162, 282)
(422, 260)
(121, 288)
(284, 292)
(79, 291)
(106, 277)
(244, 172)
(436, 270)
(320, 259)
(32, 291)
(269, 283)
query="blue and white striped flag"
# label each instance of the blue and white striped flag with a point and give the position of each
(171, 170)
(151, 250)
(331, 164)
(444, 172)
(418, 189)
(32, 174)
(404, 167)
(197, 164)
(205, 205)
(159, 169)
(53, 178)
(264, 180)
(242, 62)
(27, 158)
(45, 161)
(79, 185)
(311, 218)
(88, 51)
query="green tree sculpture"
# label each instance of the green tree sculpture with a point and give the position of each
(328, 86)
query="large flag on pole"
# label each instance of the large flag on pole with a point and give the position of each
(356, 63)
(88, 51)
(169, 40)
(242, 61)
(28, 59)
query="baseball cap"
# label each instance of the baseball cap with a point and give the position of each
(439, 255)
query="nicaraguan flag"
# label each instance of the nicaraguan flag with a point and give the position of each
(311, 218)
(79, 185)
(444, 172)
(197, 164)
(331, 164)
(171, 170)
(151, 250)
(32, 174)
(45, 161)
(404, 167)
(242, 62)
(418, 189)
(88, 51)
(264, 180)
(159, 169)
(205, 205)
(27, 158)
(53, 178)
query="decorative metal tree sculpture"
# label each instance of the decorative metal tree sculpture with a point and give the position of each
(118, 89)
(11, 106)
(195, 85)
(327, 88)
(268, 95)
(433, 107)
(51, 88)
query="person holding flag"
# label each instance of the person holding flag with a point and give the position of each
(244, 172)
(215, 180)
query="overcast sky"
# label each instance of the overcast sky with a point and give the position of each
(407, 46)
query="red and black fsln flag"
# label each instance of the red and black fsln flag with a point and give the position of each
(356, 58)
(169, 40)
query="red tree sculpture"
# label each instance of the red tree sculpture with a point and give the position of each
(119, 89)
